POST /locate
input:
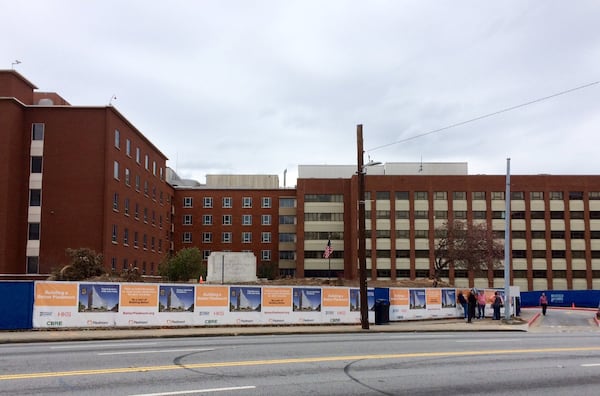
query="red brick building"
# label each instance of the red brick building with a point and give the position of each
(76, 176)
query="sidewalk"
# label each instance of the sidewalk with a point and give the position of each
(522, 323)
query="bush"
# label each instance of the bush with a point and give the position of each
(85, 263)
(186, 264)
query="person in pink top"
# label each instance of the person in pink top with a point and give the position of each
(544, 303)
(481, 305)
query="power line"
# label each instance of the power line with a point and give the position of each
(486, 116)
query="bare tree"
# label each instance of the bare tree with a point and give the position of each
(468, 246)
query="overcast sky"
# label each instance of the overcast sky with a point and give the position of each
(256, 87)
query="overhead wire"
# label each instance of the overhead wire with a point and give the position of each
(486, 115)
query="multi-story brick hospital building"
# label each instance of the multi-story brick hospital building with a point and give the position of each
(81, 176)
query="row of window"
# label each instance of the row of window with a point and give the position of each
(138, 184)
(133, 264)
(133, 238)
(147, 215)
(138, 155)
(519, 274)
(207, 219)
(227, 237)
(226, 202)
(481, 195)
(441, 233)
(461, 215)
(265, 255)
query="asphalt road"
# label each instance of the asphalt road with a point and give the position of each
(560, 357)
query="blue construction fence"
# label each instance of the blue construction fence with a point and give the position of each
(563, 298)
(16, 305)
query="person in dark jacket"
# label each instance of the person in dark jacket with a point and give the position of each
(496, 304)
(463, 302)
(472, 300)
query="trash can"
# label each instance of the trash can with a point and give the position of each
(382, 311)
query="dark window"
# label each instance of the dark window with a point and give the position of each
(478, 195)
(421, 195)
(459, 195)
(403, 253)
(556, 195)
(517, 215)
(461, 274)
(576, 195)
(37, 133)
(521, 274)
(440, 214)
(421, 273)
(402, 195)
(36, 164)
(421, 253)
(538, 234)
(382, 195)
(402, 273)
(402, 234)
(34, 231)
(479, 214)
(579, 274)
(557, 215)
(561, 274)
(33, 265)
(577, 234)
(576, 214)
(537, 214)
(519, 254)
(518, 235)
(517, 195)
(383, 273)
(382, 253)
(578, 254)
(539, 274)
(559, 254)
(595, 234)
(557, 234)
(35, 197)
(595, 254)
(538, 254)
(594, 214)
(460, 214)
(421, 214)
(402, 214)
(498, 214)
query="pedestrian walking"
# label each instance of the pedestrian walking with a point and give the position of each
(496, 304)
(544, 303)
(481, 305)
(472, 300)
(463, 302)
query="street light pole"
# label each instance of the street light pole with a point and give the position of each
(362, 250)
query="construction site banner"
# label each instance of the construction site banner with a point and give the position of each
(103, 304)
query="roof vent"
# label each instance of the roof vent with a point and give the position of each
(45, 102)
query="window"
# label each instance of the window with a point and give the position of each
(556, 195)
(246, 219)
(479, 214)
(497, 195)
(36, 164)
(33, 264)
(35, 197)
(594, 195)
(126, 236)
(498, 214)
(138, 182)
(287, 237)
(538, 234)
(154, 168)
(266, 255)
(575, 195)
(265, 219)
(187, 219)
(37, 131)
(557, 215)
(114, 233)
(146, 162)
(402, 234)
(34, 232)
(265, 237)
(460, 214)
(188, 202)
(287, 202)
(246, 237)
(145, 215)
(138, 155)
(538, 254)
(421, 214)
(145, 242)
(135, 239)
(478, 195)
(382, 195)
(517, 215)
(287, 219)
(247, 202)
(207, 219)
(536, 195)
(440, 214)
(576, 214)
(559, 254)
(117, 138)
(207, 237)
(421, 234)
(207, 202)
(518, 234)
(577, 234)
(116, 170)
(402, 214)
(187, 237)
(128, 147)
(517, 195)
(266, 202)
(127, 177)
(146, 187)
(381, 234)
(324, 198)
(557, 234)
(440, 195)
(519, 254)
(227, 203)
(205, 254)
(459, 195)
(136, 213)
(382, 214)
(226, 237)
(537, 214)
(421, 195)
(402, 195)
(116, 201)
(226, 219)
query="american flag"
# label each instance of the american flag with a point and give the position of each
(328, 250)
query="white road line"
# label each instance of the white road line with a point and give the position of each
(196, 391)
(154, 351)
(591, 365)
(491, 340)
(88, 346)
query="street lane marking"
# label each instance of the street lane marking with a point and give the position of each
(88, 346)
(155, 351)
(123, 370)
(591, 365)
(197, 391)
(491, 340)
